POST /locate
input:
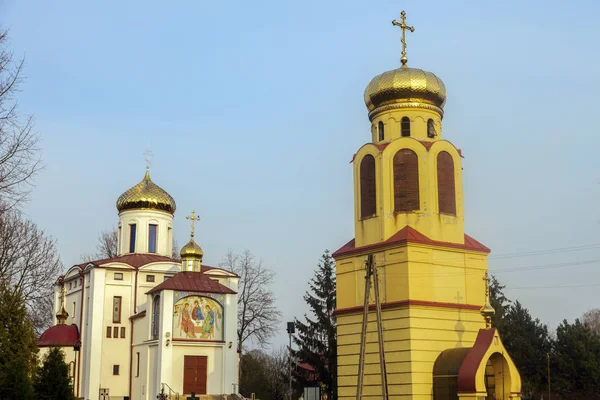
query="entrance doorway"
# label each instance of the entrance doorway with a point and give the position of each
(194, 374)
(497, 377)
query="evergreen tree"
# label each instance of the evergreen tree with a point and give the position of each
(575, 362)
(52, 381)
(17, 345)
(500, 303)
(316, 338)
(528, 343)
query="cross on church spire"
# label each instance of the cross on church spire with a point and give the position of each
(148, 157)
(404, 28)
(194, 219)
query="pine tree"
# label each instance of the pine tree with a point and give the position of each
(316, 338)
(17, 345)
(52, 381)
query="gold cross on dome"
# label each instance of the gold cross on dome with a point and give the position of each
(404, 28)
(194, 219)
(487, 279)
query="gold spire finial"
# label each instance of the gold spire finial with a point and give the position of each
(148, 158)
(62, 315)
(404, 27)
(194, 219)
(487, 310)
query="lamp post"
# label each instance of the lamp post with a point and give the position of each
(76, 348)
(291, 329)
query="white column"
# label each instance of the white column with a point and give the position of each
(164, 357)
(92, 343)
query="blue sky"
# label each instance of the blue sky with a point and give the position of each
(254, 109)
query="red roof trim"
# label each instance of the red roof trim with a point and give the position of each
(468, 369)
(188, 281)
(409, 303)
(138, 315)
(411, 235)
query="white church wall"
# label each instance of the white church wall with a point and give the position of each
(140, 371)
(164, 357)
(93, 333)
(116, 350)
(230, 356)
(142, 219)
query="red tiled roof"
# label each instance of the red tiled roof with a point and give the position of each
(411, 235)
(139, 260)
(134, 260)
(59, 335)
(188, 281)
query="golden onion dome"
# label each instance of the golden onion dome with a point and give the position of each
(146, 195)
(191, 250)
(405, 88)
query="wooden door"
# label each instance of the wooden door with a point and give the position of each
(194, 374)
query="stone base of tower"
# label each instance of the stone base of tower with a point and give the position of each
(414, 334)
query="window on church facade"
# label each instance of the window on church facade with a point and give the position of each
(108, 332)
(116, 332)
(137, 364)
(155, 317)
(405, 126)
(152, 238)
(122, 332)
(132, 233)
(117, 310)
(406, 181)
(446, 188)
(368, 196)
(118, 276)
(149, 278)
(431, 128)
(115, 370)
(380, 131)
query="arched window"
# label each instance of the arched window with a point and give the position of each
(405, 126)
(431, 128)
(446, 190)
(380, 131)
(406, 181)
(368, 196)
(155, 317)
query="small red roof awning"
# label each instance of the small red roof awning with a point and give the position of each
(60, 336)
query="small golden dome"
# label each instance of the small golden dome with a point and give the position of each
(405, 88)
(191, 250)
(146, 195)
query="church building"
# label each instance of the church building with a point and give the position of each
(432, 276)
(143, 323)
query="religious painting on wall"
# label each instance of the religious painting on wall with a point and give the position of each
(197, 317)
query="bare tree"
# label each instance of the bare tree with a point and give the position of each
(591, 319)
(19, 161)
(258, 316)
(29, 261)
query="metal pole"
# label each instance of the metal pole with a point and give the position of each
(290, 370)
(382, 367)
(363, 336)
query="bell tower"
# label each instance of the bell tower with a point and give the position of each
(408, 219)
(407, 175)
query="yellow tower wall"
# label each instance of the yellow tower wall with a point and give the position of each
(428, 220)
(430, 296)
